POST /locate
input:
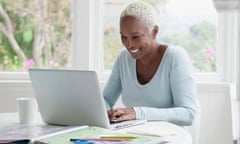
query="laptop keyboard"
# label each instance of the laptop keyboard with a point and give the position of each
(126, 124)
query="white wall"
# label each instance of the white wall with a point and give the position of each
(9, 91)
(216, 114)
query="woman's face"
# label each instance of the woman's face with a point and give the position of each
(137, 37)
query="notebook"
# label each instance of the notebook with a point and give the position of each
(72, 97)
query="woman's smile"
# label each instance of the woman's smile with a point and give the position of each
(134, 51)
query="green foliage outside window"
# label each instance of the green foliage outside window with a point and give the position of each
(34, 34)
(200, 43)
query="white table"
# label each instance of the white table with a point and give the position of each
(169, 132)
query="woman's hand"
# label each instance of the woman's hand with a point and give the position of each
(121, 114)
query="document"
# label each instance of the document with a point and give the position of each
(66, 134)
(101, 136)
(33, 132)
(151, 130)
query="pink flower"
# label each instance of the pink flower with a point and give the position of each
(211, 52)
(28, 64)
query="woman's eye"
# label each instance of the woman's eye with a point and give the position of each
(136, 37)
(123, 37)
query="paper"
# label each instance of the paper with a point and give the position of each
(151, 133)
(34, 132)
(96, 132)
(62, 135)
(151, 130)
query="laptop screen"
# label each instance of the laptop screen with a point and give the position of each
(69, 97)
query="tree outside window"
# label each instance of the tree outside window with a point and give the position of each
(34, 33)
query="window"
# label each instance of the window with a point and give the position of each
(34, 34)
(95, 41)
(187, 23)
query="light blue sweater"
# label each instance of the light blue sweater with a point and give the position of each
(169, 96)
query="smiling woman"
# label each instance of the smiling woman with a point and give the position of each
(154, 80)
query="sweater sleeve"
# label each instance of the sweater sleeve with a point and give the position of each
(183, 91)
(113, 87)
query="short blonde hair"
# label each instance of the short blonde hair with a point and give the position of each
(144, 11)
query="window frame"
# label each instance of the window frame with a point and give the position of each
(87, 44)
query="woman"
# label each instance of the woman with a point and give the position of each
(154, 80)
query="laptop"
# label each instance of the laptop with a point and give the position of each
(72, 97)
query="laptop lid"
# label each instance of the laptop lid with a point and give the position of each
(69, 97)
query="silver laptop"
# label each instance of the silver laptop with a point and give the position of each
(72, 97)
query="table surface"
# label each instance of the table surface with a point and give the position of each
(168, 131)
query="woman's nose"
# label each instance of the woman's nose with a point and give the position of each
(129, 44)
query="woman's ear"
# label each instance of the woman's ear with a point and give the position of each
(155, 31)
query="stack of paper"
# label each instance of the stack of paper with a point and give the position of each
(33, 132)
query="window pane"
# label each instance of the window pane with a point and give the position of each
(34, 34)
(191, 24)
